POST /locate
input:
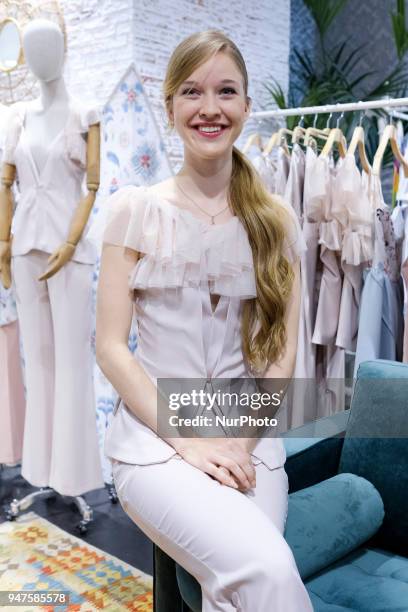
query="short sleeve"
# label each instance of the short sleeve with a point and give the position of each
(125, 218)
(294, 243)
(88, 117)
(80, 119)
(12, 135)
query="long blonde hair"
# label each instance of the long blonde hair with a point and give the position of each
(261, 214)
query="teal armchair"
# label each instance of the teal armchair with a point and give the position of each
(347, 522)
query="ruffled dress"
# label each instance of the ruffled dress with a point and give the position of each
(49, 198)
(184, 261)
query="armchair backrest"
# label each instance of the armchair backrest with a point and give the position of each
(376, 444)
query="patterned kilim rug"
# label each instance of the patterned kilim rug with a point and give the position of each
(37, 556)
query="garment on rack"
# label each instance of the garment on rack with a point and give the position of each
(282, 172)
(320, 211)
(265, 166)
(60, 448)
(273, 168)
(380, 321)
(399, 218)
(330, 360)
(301, 399)
(352, 209)
(295, 181)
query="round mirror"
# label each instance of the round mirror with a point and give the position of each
(10, 45)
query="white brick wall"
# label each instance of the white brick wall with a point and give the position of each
(104, 36)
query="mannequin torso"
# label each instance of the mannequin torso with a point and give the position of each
(42, 126)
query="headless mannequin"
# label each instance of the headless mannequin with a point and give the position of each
(60, 442)
(43, 44)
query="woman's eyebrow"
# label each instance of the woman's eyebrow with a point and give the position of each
(223, 82)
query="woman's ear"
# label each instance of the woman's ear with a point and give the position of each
(248, 107)
(170, 114)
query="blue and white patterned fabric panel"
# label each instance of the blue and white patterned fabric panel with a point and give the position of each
(132, 152)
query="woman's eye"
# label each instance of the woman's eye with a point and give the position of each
(228, 90)
(189, 91)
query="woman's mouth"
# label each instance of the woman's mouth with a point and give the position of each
(210, 131)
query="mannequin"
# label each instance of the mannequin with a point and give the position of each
(12, 399)
(50, 144)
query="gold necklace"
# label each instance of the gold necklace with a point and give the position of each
(198, 206)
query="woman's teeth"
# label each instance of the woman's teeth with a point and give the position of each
(210, 129)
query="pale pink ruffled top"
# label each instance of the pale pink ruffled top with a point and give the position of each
(48, 198)
(351, 206)
(183, 261)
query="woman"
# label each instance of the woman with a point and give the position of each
(209, 261)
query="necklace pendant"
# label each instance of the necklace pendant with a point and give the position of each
(212, 221)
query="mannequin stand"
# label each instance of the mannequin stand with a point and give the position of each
(13, 510)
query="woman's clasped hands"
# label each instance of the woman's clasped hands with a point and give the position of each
(227, 460)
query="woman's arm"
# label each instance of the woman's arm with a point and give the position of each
(113, 321)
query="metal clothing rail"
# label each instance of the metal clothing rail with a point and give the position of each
(385, 103)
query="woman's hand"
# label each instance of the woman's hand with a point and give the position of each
(225, 459)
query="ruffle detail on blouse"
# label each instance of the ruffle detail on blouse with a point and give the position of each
(179, 250)
(357, 246)
(330, 235)
(13, 132)
(76, 128)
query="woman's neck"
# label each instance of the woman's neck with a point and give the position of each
(209, 178)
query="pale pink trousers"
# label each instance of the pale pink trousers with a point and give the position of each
(12, 397)
(60, 448)
(231, 542)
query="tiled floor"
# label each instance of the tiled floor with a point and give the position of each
(111, 529)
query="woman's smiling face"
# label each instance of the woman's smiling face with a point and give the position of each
(209, 108)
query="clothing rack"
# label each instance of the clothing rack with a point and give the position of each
(385, 103)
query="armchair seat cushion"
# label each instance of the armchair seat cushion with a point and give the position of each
(366, 579)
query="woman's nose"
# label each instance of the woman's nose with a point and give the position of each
(209, 107)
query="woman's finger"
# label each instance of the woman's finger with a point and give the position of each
(235, 469)
(222, 475)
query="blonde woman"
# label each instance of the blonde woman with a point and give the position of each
(208, 263)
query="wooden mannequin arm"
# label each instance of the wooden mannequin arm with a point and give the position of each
(8, 176)
(66, 251)
(84, 208)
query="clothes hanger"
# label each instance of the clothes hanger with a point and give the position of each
(254, 139)
(358, 141)
(299, 131)
(336, 136)
(313, 132)
(389, 136)
(278, 139)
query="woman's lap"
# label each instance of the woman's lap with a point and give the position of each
(209, 528)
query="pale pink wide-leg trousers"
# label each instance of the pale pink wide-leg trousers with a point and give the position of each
(60, 448)
(230, 541)
(12, 397)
